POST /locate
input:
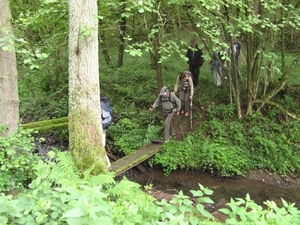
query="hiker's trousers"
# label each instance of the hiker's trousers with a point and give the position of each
(168, 128)
(184, 97)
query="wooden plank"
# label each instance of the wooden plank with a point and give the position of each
(135, 158)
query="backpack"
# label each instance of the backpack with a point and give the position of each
(169, 100)
(185, 83)
(188, 73)
(220, 56)
(105, 100)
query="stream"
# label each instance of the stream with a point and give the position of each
(260, 186)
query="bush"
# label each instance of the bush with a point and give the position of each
(17, 160)
(196, 154)
(60, 195)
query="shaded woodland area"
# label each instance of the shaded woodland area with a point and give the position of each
(63, 55)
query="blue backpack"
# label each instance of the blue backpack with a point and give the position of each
(105, 100)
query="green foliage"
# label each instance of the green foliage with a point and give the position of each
(44, 107)
(111, 202)
(272, 145)
(41, 51)
(90, 200)
(181, 209)
(246, 211)
(225, 160)
(226, 146)
(59, 205)
(16, 160)
(123, 202)
(61, 195)
(64, 168)
(132, 134)
(222, 112)
(259, 142)
(197, 154)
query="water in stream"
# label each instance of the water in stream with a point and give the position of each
(224, 188)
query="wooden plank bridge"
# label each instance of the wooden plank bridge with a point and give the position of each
(135, 158)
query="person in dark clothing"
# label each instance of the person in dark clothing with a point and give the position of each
(237, 51)
(195, 61)
(106, 122)
(216, 68)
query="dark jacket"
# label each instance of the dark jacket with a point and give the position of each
(195, 58)
(106, 116)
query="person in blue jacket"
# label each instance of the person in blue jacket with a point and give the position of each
(106, 116)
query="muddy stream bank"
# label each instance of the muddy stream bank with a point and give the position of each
(261, 185)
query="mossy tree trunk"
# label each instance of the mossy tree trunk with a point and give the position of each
(9, 98)
(85, 130)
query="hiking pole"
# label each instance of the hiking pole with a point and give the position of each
(191, 113)
(183, 135)
(149, 128)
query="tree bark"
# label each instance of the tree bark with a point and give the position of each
(9, 99)
(121, 36)
(85, 130)
(156, 46)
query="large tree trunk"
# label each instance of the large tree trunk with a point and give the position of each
(85, 130)
(9, 99)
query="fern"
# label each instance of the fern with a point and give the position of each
(101, 179)
(64, 170)
(124, 188)
(65, 173)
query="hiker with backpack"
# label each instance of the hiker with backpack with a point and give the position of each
(184, 83)
(237, 50)
(216, 67)
(195, 61)
(107, 118)
(171, 105)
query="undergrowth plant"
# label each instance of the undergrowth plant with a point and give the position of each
(247, 212)
(197, 154)
(132, 134)
(16, 160)
(61, 195)
(226, 146)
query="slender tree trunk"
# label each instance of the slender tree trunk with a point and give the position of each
(156, 44)
(85, 130)
(157, 63)
(105, 51)
(9, 99)
(121, 37)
